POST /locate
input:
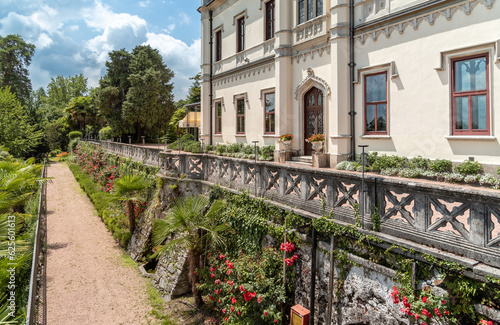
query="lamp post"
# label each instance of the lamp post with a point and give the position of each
(143, 139)
(363, 191)
(129, 139)
(255, 166)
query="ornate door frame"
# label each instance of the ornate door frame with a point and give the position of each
(314, 116)
(304, 86)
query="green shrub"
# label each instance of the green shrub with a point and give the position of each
(384, 161)
(468, 168)
(193, 146)
(187, 137)
(347, 165)
(75, 135)
(249, 149)
(411, 172)
(220, 148)
(72, 145)
(209, 147)
(106, 133)
(267, 152)
(440, 165)
(453, 177)
(419, 162)
(487, 179)
(235, 147)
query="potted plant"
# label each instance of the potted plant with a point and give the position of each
(286, 140)
(317, 141)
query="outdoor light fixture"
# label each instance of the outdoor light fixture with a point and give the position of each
(363, 198)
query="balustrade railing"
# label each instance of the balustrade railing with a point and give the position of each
(464, 221)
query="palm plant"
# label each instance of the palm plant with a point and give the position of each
(193, 221)
(128, 188)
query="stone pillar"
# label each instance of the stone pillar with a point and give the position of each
(338, 120)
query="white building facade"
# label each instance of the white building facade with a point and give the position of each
(413, 78)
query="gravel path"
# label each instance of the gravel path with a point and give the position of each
(87, 279)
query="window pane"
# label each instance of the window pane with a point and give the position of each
(370, 117)
(219, 126)
(270, 103)
(470, 74)
(219, 109)
(241, 106)
(376, 88)
(461, 113)
(381, 117)
(302, 12)
(320, 97)
(310, 9)
(319, 7)
(272, 123)
(478, 107)
(242, 125)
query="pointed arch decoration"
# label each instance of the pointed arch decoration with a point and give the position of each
(312, 78)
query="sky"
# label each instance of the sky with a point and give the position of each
(75, 36)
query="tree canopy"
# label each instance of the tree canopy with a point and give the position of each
(17, 134)
(15, 58)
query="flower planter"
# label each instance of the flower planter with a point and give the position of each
(317, 146)
(286, 144)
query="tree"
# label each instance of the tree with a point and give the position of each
(194, 94)
(194, 223)
(61, 91)
(149, 103)
(16, 132)
(15, 58)
(127, 189)
(113, 89)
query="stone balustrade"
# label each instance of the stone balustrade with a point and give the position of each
(463, 221)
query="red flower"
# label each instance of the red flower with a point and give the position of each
(265, 313)
(217, 282)
(233, 300)
(230, 282)
(225, 319)
(228, 272)
(443, 302)
(426, 313)
(232, 308)
(424, 300)
(223, 311)
(222, 256)
(259, 299)
(211, 298)
(230, 265)
(212, 275)
(239, 314)
(241, 288)
(249, 295)
(446, 312)
(417, 316)
(288, 261)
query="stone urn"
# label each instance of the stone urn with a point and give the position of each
(317, 146)
(286, 144)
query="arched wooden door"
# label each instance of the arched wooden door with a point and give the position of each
(313, 116)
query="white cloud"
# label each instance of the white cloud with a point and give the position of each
(102, 18)
(43, 41)
(144, 4)
(182, 58)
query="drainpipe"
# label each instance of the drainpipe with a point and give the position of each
(352, 112)
(211, 75)
(313, 277)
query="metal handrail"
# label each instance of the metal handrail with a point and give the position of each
(38, 266)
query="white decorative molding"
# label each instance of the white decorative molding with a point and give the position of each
(312, 53)
(310, 29)
(268, 46)
(389, 67)
(467, 7)
(243, 74)
(312, 77)
(492, 47)
(240, 15)
(239, 96)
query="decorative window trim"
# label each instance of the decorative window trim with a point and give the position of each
(265, 91)
(265, 21)
(315, 12)
(242, 14)
(263, 2)
(245, 102)
(487, 93)
(390, 67)
(215, 102)
(218, 46)
(265, 112)
(376, 134)
(218, 28)
(493, 49)
(239, 96)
